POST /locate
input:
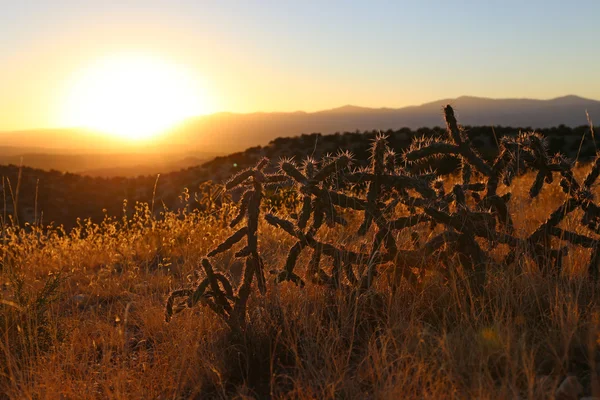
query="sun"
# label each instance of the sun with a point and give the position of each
(132, 96)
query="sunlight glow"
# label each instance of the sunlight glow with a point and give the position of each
(134, 97)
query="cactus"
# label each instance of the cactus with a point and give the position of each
(470, 213)
(220, 298)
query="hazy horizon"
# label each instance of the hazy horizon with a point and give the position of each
(93, 131)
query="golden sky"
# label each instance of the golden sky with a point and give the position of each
(288, 56)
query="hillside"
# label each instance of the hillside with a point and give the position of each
(62, 197)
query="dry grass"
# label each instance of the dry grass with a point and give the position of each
(107, 337)
(82, 315)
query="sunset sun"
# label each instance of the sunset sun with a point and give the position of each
(132, 97)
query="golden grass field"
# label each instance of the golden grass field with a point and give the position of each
(102, 332)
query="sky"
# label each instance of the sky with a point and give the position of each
(252, 56)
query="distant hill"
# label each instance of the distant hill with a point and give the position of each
(62, 197)
(230, 132)
(145, 168)
(223, 133)
(108, 165)
(88, 153)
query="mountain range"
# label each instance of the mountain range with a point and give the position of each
(234, 132)
(226, 132)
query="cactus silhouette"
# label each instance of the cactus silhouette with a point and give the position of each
(470, 213)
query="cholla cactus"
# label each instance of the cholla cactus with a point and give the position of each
(458, 145)
(378, 152)
(315, 273)
(472, 216)
(215, 289)
(317, 200)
